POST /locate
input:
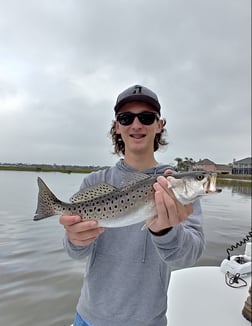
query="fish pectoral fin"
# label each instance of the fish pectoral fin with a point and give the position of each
(92, 192)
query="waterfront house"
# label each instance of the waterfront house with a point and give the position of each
(205, 165)
(242, 166)
(208, 165)
(224, 168)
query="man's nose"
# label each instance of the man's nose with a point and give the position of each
(136, 123)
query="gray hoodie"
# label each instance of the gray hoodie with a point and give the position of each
(128, 270)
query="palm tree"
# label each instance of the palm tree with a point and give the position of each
(180, 163)
(188, 163)
(184, 165)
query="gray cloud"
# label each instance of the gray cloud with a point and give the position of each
(63, 63)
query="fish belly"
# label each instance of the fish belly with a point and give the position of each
(133, 217)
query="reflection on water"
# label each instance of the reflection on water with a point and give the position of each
(227, 220)
(241, 189)
(40, 284)
(237, 186)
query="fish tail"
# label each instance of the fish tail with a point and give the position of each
(46, 202)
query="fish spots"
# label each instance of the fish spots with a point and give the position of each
(101, 201)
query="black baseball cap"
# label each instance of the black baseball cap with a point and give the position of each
(137, 93)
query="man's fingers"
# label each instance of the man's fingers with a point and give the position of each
(169, 171)
(88, 235)
(69, 219)
(162, 181)
(168, 205)
(82, 226)
(160, 206)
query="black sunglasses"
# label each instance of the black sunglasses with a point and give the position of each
(146, 118)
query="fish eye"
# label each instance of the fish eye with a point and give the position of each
(200, 177)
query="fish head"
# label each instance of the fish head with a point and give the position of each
(187, 187)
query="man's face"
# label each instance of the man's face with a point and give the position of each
(138, 137)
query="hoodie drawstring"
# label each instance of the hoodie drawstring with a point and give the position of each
(145, 245)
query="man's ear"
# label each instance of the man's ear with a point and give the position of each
(116, 126)
(161, 124)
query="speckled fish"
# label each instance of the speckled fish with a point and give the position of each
(131, 204)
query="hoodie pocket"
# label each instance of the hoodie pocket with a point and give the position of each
(128, 244)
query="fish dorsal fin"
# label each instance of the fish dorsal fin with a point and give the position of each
(132, 178)
(92, 192)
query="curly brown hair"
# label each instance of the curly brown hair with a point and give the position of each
(119, 146)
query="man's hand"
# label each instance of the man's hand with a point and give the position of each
(170, 211)
(80, 232)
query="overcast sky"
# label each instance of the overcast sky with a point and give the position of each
(63, 63)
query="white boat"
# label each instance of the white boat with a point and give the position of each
(212, 295)
(201, 296)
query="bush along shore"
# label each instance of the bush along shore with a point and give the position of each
(234, 179)
(50, 168)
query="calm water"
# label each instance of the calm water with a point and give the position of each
(40, 285)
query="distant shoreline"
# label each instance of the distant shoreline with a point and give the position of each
(238, 177)
(222, 179)
(47, 168)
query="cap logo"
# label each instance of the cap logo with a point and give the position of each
(138, 89)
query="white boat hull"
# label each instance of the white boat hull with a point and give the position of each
(199, 296)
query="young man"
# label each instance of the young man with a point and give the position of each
(128, 270)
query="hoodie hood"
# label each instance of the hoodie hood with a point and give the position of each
(158, 169)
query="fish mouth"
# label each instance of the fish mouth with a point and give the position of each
(210, 186)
